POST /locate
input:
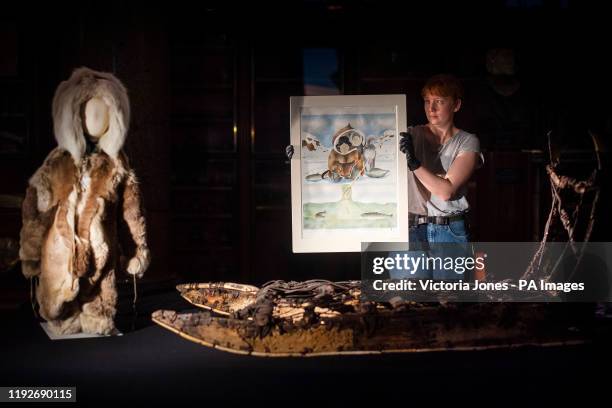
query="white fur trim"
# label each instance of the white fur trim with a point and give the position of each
(71, 94)
(43, 191)
(339, 135)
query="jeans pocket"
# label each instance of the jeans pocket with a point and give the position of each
(458, 230)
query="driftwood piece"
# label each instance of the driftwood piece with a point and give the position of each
(582, 188)
(562, 182)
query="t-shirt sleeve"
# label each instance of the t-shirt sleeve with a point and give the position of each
(471, 144)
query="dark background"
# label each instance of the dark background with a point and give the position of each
(210, 86)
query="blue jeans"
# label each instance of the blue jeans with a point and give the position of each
(454, 233)
(425, 240)
(419, 246)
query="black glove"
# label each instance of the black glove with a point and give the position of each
(289, 151)
(407, 147)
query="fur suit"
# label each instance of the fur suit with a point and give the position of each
(346, 160)
(72, 208)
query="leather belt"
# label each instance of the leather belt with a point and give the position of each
(416, 219)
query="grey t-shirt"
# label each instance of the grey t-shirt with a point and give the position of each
(438, 160)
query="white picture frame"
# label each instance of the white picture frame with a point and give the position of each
(348, 177)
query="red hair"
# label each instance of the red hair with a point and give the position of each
(443, 85)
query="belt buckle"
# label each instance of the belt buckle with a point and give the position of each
(442, 220)
(417, 219)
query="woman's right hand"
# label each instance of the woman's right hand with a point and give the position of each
(407, 147)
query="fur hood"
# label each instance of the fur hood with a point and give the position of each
(84, 84)
(352, 138)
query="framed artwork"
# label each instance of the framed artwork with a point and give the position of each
(348, 177)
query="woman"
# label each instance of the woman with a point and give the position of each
(441, 159)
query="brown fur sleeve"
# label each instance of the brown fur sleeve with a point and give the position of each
(31, 235)
(133, 213)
